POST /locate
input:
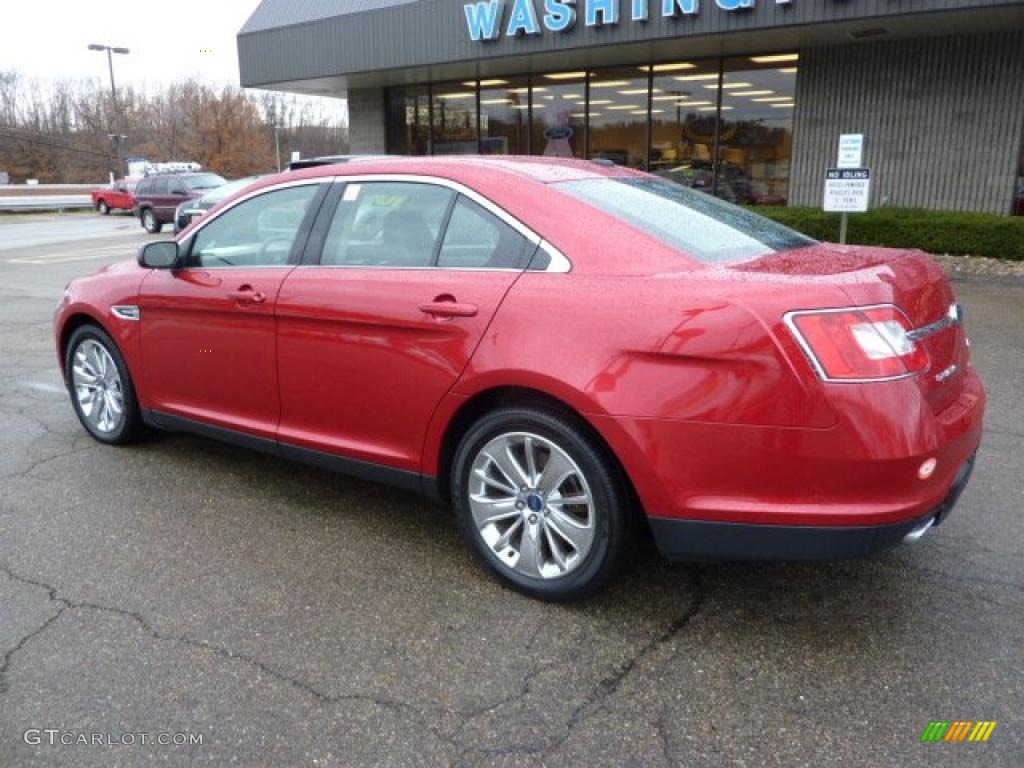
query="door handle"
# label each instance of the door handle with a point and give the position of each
(449, 309)
(246, 295)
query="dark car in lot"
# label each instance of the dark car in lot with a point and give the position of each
(157, 197)
(195, 208)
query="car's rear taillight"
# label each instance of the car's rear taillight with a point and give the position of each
(858, 344)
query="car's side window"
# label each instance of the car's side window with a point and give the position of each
(387, 224)
(258, 232)
(477, 239)
(159, 187)
(176, 187)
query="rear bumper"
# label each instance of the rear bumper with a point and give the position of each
(705, 540)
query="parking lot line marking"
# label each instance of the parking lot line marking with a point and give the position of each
(60, 258)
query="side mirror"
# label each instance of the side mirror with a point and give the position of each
(160, 254)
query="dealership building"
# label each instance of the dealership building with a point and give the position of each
(744, 98)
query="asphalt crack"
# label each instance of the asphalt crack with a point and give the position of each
(66, 604)
(595, 699)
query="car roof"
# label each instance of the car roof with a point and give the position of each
(545, 170)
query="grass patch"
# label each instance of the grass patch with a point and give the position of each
(958, 233)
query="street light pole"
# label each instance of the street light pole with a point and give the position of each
(277, 147)
(117, 135)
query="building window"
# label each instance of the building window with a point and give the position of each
(755, 140)
(504, 116)
(454, 110)
(684, 122)
(558, 125)
(408, 121)
(618, 112)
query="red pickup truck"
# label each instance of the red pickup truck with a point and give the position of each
(116, 196)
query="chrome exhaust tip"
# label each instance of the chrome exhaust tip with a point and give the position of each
(918, 530)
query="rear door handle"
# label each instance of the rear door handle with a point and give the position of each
(449, 309)
(246, 295)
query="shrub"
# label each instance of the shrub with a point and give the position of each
(974, 234)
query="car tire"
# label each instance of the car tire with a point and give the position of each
(92, 360)
(594, 539)
(103, 208)
(150, 222)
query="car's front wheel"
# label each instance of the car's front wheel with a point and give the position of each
(103, 208)
(150, 222)
(101, 387)
(541, 503)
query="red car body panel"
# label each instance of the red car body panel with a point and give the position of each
(687, 371)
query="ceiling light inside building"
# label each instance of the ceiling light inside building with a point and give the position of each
(775, 58)
(566, 75)
(673, 67)
(688, 78)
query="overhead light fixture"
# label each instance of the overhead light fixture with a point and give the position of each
(520, 106)
(494, 101)
(624, 106)
(671, 97)
(730, 86)
(695, 103)
(657, 111)
(673, 67)
(638, 112)
(726, 108)
(706, 109)
(788, 70)
(609, 83)
(632, 91)
(585, 114)
(485, 83)
(572, 95)
(752, 93)
(524, 90)
(781, 106)
(566, 75)
(689, 78)
(775, 58)
(601, 101)
(769, 99)
(453, 96)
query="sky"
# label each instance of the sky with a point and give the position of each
(48, 39)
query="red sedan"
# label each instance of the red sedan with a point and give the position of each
(557, 349)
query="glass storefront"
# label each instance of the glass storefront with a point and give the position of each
(618, 115)
(408, 121)
(504, 116)
(755, 141)
(724, 126)
(558, 127)
(683, 122)
(453, 106)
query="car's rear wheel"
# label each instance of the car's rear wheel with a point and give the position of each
(149, 221)
(541, 503)
(101, 387)
(103, 208)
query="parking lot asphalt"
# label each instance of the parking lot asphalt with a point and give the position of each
(293, 617)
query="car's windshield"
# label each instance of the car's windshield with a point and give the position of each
(694, 222)
(204, 181)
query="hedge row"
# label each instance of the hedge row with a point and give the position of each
(973, 234)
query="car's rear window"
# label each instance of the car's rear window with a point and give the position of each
(695, 223)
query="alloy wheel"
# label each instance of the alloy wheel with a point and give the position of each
(532, 505)
(98, 387)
